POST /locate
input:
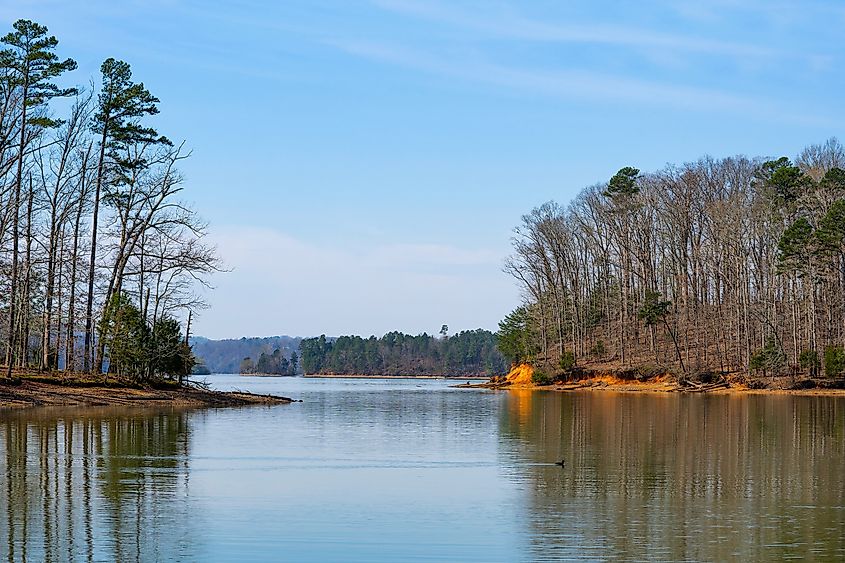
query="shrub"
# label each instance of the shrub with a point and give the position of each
(598, 350)
(769, 358)
(834, 361)
(809, 360)
(541, 377)
(567, 361)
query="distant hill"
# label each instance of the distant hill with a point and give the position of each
(225, 356)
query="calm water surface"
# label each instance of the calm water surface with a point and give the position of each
(415, 471)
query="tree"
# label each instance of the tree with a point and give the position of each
(147, 245)
(834, 361)
(794, 246)
(654, 310)
(469, 352)
(769, 358)
(809, 360)
(514, 338)
(743, 250)
(830, 234)
(784, 180)
(127, 338)
(33, 63)
(170, 356)
(624, 182)
(621, 189)
(62, 175)
(121, 105)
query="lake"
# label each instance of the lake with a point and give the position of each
(412, 470)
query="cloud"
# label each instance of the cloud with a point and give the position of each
(781, 13)
(281, 284)
(510, 25)
(577, 84)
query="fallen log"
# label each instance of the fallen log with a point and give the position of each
(710, 387)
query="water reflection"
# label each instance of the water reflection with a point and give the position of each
(417, 471)
(680, 477)
(95, 485)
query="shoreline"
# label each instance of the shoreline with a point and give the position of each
(655, 387)
(522, 377)
(28, 393)
(364, 376)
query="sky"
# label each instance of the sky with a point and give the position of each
(362, 163)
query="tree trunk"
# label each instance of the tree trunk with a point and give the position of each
(89, 307)
(13, 296)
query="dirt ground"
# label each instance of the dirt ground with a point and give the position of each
(36, 393)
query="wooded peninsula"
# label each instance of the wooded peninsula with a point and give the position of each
(100, 255)
(718, 268)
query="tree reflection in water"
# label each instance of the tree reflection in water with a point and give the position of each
(394, 475)
(95, 485)
(680, 477)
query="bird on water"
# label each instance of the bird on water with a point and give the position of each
(562, 463)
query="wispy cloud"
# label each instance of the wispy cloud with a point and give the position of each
(576, 84)
(509, 24)
(783, 13)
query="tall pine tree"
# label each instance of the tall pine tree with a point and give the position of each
(121, 105)
(34, 64)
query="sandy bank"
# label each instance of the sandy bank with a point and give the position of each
(598, 385)
(521, 377)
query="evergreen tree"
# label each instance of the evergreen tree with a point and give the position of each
(33, 64)
(513, 338)
(121, 105)
(624, 182)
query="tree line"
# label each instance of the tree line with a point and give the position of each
(719, 265)
(272, 364)
(98, 254)
(471, 352)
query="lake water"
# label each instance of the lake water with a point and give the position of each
(375, 470)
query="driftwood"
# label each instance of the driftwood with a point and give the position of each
(687, 386)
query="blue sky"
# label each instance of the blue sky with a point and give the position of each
(363, 162)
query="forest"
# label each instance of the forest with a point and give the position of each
(99, 253)
(732, 265)
(471, 352)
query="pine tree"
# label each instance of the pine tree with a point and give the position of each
(34, 64)
(121, 105)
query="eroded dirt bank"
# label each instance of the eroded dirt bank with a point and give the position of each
(522, 377)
